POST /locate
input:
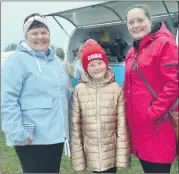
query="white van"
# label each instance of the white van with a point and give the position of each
(105, 22)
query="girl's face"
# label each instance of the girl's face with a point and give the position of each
(38, 39)
(97, 69)
(139, 25)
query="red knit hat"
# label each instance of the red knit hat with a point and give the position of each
(92, 51)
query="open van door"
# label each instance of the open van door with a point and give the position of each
(114, 11)
(105, 22)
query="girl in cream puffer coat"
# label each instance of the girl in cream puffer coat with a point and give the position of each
(98, 129)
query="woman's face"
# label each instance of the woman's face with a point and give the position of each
(38, 39)
(138, 23)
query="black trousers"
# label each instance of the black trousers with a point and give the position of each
(149, 167)
(40, 158)
(112, 170)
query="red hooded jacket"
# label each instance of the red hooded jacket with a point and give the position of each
(157, 59)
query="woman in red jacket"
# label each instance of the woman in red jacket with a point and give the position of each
(155, 54)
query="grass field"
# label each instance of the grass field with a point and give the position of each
(10, 162)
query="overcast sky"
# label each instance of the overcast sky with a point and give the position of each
(14, 13)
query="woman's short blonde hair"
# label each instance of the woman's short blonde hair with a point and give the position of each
(60, 53)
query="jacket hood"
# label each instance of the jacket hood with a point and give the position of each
(48, 55)
(160, 29)
(109, 78)
(22, 46)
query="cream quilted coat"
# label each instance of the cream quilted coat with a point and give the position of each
(98, 128)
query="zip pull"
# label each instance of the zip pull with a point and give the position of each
(67, 148)
(136, 68)
(135, 55)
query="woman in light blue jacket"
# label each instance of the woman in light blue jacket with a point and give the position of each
(34, 101)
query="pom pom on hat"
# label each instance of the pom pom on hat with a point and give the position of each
(90, 42)
(92, 51)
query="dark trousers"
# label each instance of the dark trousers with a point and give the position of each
(112, 170)
(40, 158)
(149, 167)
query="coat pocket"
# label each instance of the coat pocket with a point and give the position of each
(36, 103)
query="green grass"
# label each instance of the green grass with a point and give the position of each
(10, 162)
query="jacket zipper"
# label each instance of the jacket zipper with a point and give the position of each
(64, 133)
(135, 62)
(66, 143)
(156, 123)
(99, 129)
(135, 57)
(170, 65)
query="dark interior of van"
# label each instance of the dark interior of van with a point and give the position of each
(114, 38)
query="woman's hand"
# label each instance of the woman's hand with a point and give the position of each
(27, 141)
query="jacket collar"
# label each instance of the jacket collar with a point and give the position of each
(22, 46)
(109, 78)
(140, 44)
